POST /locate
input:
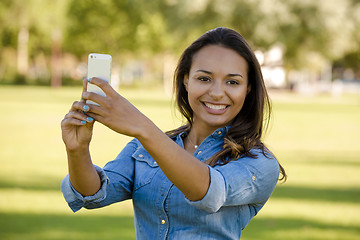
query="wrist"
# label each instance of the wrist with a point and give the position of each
(80, 150)
(147, 131)
(78, 159)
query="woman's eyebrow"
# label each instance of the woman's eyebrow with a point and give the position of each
(204, 71)
(235, 75)
(229, 75)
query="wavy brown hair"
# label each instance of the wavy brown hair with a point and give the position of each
(247, 127)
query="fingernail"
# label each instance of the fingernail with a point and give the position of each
(83, 122)
(89, 79)
(86, 107)
(89, 119)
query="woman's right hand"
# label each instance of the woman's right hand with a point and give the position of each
(76, 126)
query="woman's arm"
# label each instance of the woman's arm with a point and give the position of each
(76, 133)
(188, 174)
(83, 176)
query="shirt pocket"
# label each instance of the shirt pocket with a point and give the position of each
(145, 168)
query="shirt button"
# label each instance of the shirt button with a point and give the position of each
(163, 221)
(253, 178)
(140, 155)
(219, 132)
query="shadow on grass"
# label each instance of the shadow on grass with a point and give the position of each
(48, 226)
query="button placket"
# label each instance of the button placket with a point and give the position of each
(162, 215)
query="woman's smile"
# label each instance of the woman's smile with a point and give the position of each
(215, 108)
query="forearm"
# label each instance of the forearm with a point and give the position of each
(82, 173)
(188, 174)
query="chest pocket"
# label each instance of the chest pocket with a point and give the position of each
(145, 168)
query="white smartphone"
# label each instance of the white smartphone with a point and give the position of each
(99, 65)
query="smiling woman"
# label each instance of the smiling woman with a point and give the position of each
(217, 87)
(183, 183)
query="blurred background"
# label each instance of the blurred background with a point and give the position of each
(310, 56)
(303, 45)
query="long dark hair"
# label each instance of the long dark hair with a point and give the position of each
(247, 127)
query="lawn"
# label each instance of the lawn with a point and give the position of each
(316, 138)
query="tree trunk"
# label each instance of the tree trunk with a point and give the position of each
(22, 51)
(56, 65)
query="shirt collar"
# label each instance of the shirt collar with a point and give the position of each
(218, 133)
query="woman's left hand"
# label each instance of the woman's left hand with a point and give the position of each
(115, 111)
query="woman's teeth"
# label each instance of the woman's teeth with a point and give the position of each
(215, 107)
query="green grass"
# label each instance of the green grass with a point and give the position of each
(316, 138)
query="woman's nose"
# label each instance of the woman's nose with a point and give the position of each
(216, 91)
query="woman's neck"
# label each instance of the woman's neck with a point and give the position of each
(196, 136)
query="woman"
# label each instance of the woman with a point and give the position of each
(204, 180)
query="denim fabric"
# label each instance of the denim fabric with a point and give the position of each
(237, 191)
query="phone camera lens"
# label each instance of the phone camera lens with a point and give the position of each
(91, 56)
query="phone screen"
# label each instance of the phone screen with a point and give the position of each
(99, 65)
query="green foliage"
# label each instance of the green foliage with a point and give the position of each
(128, 29)
(100, 26)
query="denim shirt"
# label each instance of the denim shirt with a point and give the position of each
(237, 191)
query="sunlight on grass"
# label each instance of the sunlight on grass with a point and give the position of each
(52, 202)
(314, 137)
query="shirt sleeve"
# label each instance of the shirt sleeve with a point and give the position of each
(116, 182)
(75, 200)
(244, 181)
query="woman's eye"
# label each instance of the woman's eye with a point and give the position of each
(204, 79)
(232, 82)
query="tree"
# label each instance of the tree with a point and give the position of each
(33, 24)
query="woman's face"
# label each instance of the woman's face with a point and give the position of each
(217, 85)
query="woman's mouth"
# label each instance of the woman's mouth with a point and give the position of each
(215, 108)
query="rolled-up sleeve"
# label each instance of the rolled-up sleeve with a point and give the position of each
(215, 196)
(75, 199)
(244, 181)
(116, 182)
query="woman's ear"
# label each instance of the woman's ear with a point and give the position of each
(186, 81)
(248, 89)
